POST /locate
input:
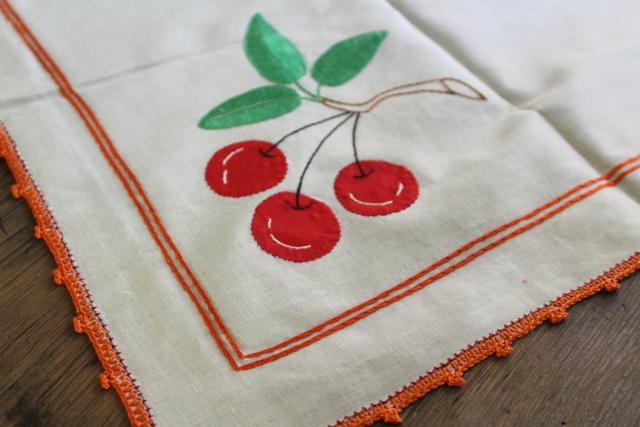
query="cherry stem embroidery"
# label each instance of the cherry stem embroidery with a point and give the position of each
(293, 132)
(355, 148)
(313, 155)
(249, 167)
(442, 86)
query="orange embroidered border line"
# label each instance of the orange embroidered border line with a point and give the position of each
(193, 288)
(130, 183)
(469, 258)
(609, 176)
(498, 344)
(87, 320)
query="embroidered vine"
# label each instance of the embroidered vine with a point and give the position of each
(291, 225)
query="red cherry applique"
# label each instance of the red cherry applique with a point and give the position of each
(245, 168)
(289, 225)
(383, 188)
(295, 234)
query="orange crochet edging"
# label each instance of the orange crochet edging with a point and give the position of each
(87, 320)
(498, 344)
(190, 284)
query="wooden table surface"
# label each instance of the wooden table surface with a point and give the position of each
(582, 372)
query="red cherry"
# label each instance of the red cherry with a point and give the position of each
(383, 189)
(295, 234)
(245, 168)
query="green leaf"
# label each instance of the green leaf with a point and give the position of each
(272, 54)
(345, 59)
(253, 106)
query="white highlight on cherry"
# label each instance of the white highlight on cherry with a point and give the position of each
(224, 162)
(275, 239)
(385, 203)
(355, 199)
(231, 154)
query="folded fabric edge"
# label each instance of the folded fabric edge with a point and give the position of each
(498, 344)
(87, 320)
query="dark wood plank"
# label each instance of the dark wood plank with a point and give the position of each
(583, 372)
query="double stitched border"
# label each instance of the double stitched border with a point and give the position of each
(213, 321)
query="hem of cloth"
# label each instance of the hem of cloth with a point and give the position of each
(87, 320)
(498, 344)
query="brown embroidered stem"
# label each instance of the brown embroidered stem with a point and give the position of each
(444, 86)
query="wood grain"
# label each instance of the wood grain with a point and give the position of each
(583, 372)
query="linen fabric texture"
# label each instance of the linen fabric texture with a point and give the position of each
(560, 81)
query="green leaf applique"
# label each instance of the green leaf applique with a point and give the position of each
(272, 54)
(345, 59)
(253, 106)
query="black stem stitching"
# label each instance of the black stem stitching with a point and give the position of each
(281, 140)
(313, 155)
(355, 148)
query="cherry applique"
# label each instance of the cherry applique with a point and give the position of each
(245, 168)
(375, 187)
(295, 227)
(291, 225)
